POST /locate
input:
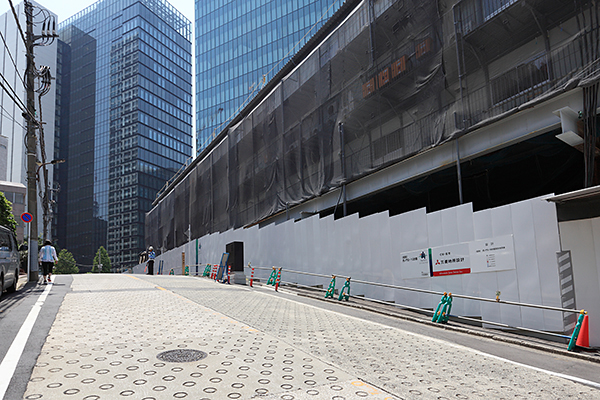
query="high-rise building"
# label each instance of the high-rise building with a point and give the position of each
(125, 121)
(240, 45)
(13, 154)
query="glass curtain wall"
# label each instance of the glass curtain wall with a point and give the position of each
(129, 123)
(241, 45)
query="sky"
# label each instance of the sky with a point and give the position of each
(66, 8)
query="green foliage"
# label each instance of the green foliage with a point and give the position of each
(101, 258)
(66, 263)
(7, 218)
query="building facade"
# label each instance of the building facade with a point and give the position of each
(240, 45)
(13, 158)
(410, 144)
(125, 121)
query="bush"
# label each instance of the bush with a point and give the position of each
(66, 263)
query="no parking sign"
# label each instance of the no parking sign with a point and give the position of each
(26, 217)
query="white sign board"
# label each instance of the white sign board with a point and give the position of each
(494, 254)
(487, 255)
(450, 260)
(415, 264)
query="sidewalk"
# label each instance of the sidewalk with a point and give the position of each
(165, 337)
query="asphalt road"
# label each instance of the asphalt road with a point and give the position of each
(14, 309)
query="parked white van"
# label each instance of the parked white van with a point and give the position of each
(9, 260)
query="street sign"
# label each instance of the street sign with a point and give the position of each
(26, 217)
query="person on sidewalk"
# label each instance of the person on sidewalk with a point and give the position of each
(47, 258)
(150, 263)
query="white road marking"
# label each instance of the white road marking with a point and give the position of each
(12, 357)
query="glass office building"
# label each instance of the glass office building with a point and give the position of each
(125, 125)
(240, 45)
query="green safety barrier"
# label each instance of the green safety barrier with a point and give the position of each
(576, 331)
(186, 271)
(331, 289)
(207, 270)
(347, 295)
(273, 277)
(171, 272)
(442, 312)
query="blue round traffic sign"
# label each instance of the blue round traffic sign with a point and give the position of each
(26, 217)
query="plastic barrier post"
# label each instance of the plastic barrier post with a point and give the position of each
(347, 295)
(251, 276)
(272, 278)
(443, 318)
(437, 312)
(206, 270)
(171, 272)
(576, 331)
(331, 288)
(229, 274)
(278, 279)
(186, 271)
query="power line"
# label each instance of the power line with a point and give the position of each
(9, 115)
(13, 94)
(11, 58)
(12, 7)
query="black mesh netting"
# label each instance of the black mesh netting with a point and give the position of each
(385, 84)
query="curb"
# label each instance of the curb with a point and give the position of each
(492, 336)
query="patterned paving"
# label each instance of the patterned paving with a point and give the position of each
(111, 328)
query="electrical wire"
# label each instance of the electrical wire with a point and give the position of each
(13, 95)
(9, 116)
(11, 58)
(12, 7)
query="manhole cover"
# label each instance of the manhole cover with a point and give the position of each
(181, 355)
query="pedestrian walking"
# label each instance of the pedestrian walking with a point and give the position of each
(46, 259)
(150, 263)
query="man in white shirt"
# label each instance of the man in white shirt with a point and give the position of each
(47, 258)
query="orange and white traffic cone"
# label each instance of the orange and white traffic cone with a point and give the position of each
(583, 340)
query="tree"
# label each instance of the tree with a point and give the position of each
(66, 263)
(101, 258)
(7, 218)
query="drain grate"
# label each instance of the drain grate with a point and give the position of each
(181, 355)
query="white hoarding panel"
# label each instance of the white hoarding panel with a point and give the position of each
(434, 229)
(449, 226)
(482, 224)
(548, 244)
(466, 228)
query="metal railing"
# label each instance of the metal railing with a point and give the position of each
(433, 292)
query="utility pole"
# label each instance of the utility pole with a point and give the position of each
(31, 145)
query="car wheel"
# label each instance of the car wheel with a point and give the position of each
(13, 287)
